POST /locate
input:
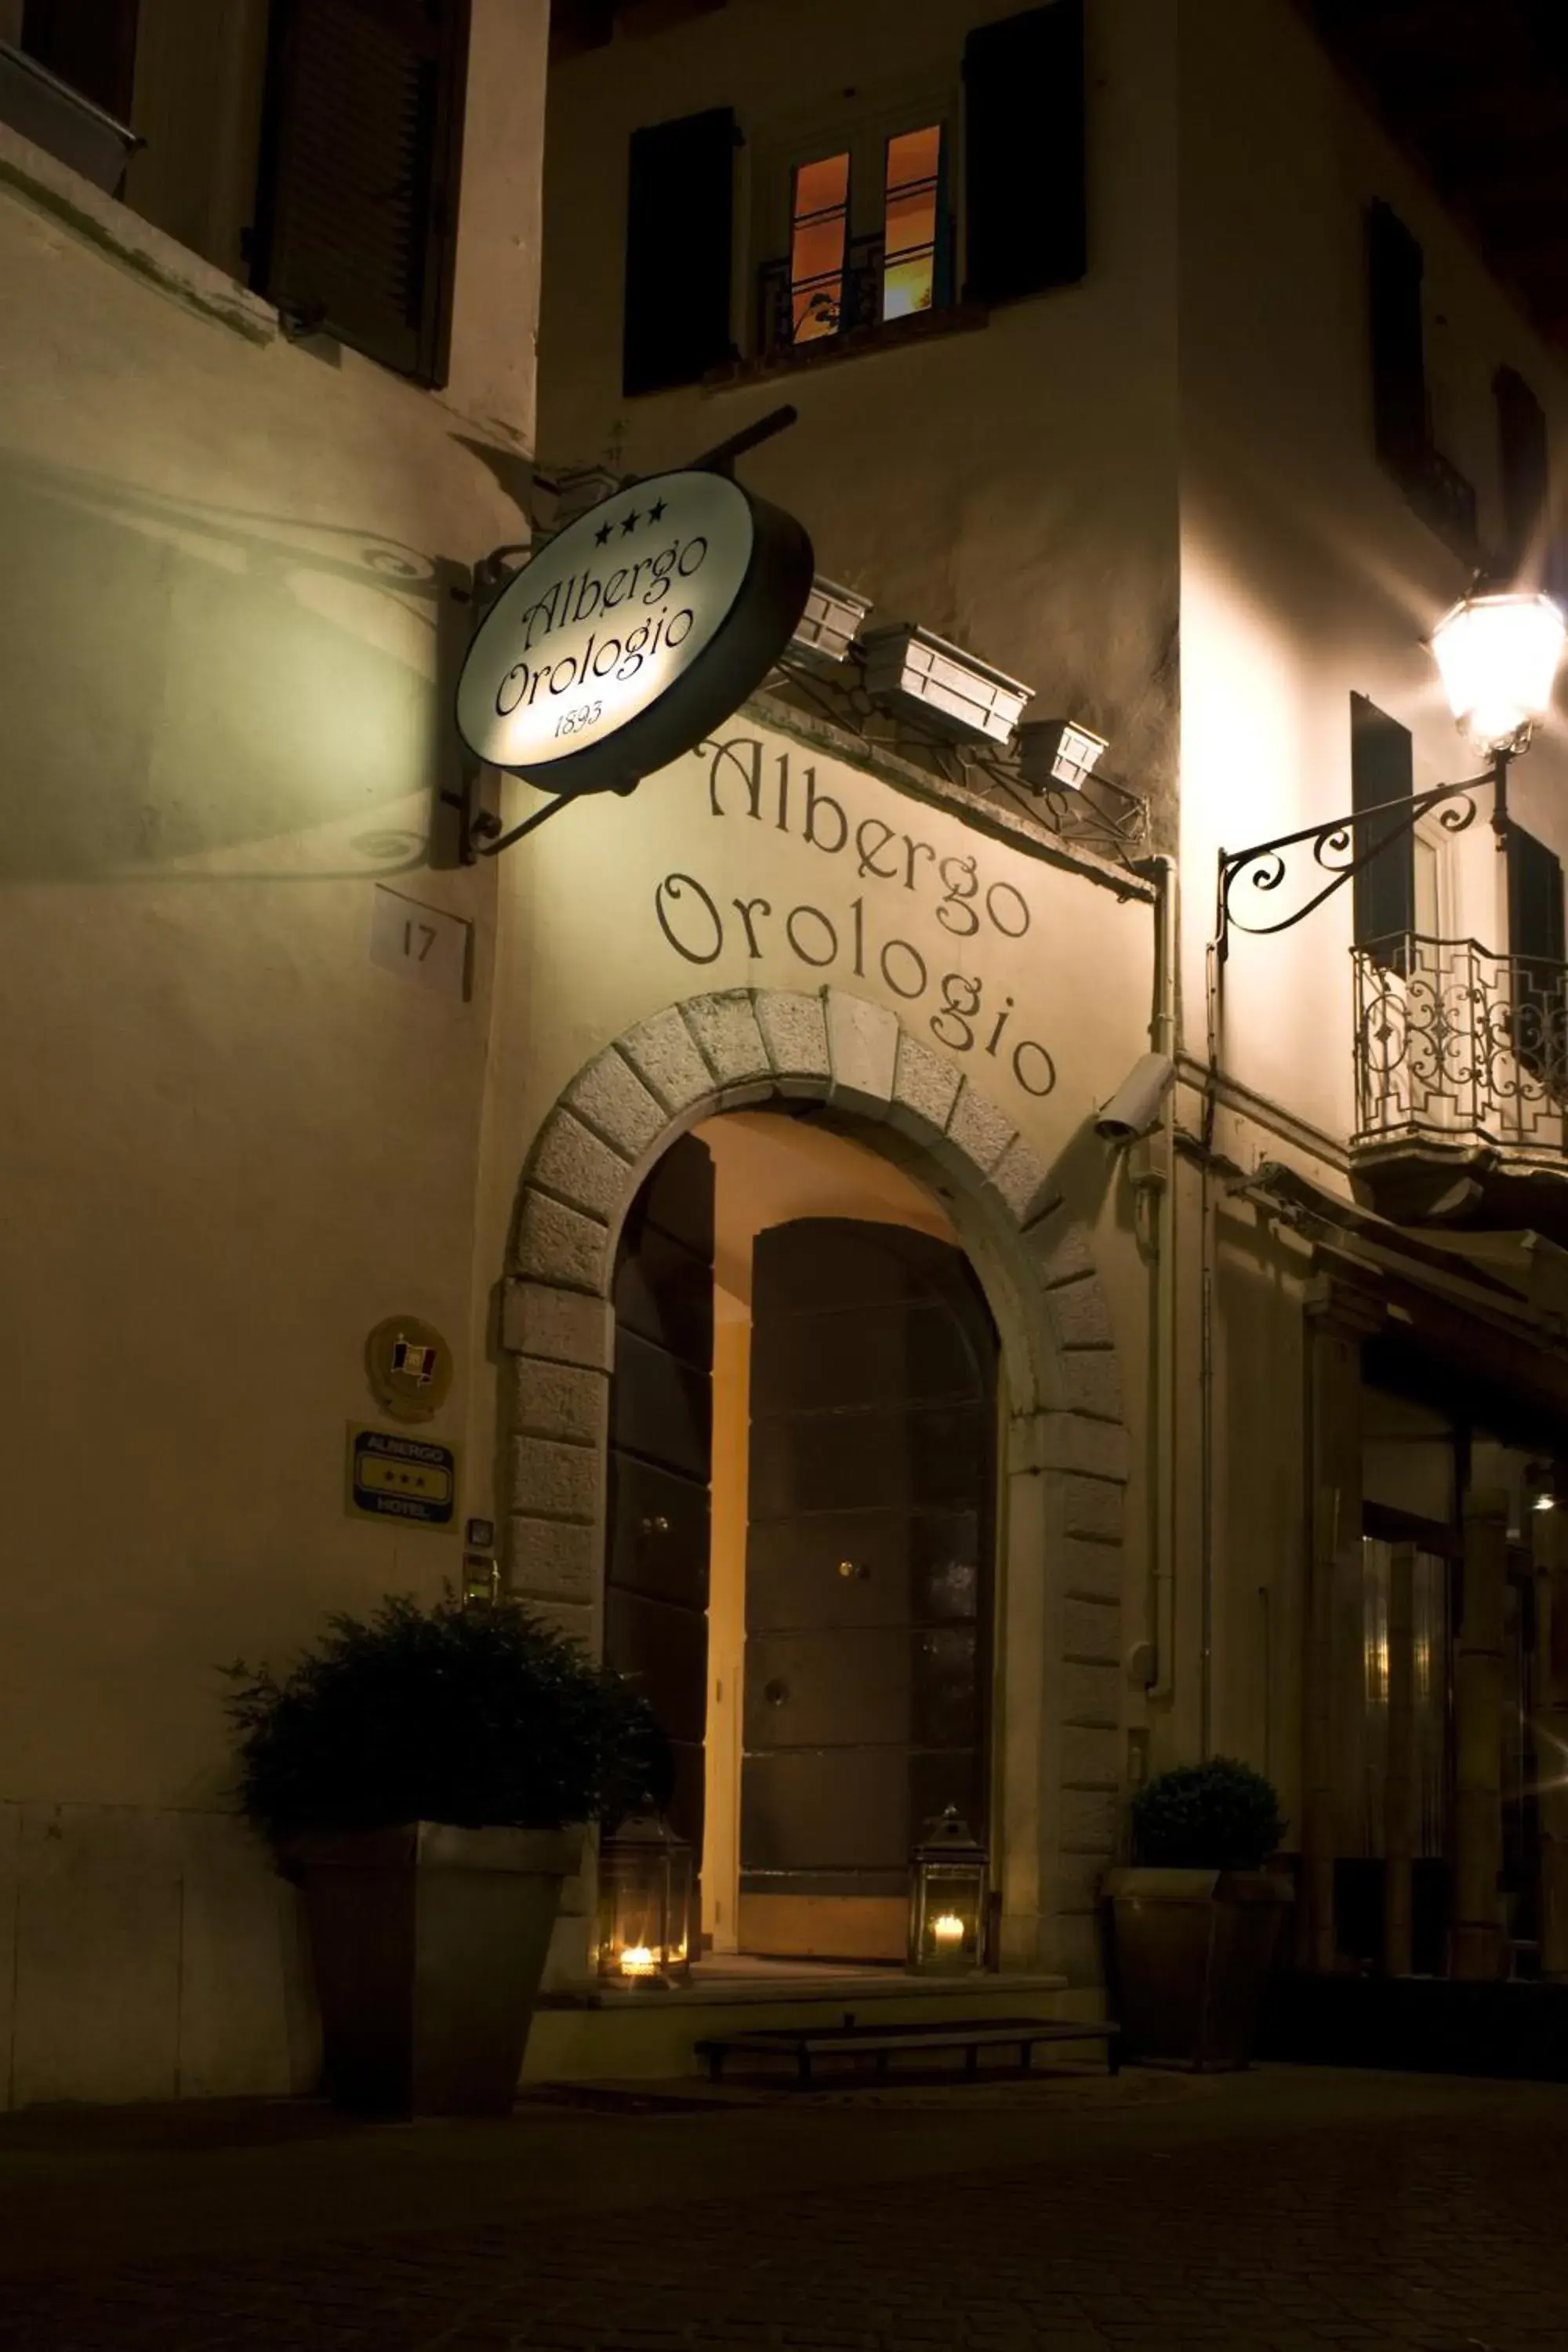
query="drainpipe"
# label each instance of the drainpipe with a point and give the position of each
(1161, 1185)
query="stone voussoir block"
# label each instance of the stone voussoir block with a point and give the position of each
(1092, 1506)
(664, 1055)
(1091, 1632)
(1090, 1571)
(1092, 1697)
(1090, 1757)
(795, 1030)
(925, 1087)
(565, 1326)
(1024, 1182)
(1089, 1381)
(611, 1099)
(552, 1559)
(1059, 1248)
(1087, 1824)
(578, 1168)
(1071, 1441)
(863, 1044)
(551, 1480)
(555, 1243)
(563, 1400)
(1079, 1317)
(978, 1132)
(724, 1028)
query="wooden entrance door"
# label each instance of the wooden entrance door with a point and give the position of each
(868, 1577)
(662, 1414)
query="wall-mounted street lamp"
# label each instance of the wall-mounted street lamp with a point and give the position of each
(1498, 653)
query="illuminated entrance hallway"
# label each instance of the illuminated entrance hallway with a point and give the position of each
(795, 1322)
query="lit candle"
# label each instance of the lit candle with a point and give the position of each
(637, 1961)
(947, 1930)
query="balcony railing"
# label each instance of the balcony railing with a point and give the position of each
(1460, 1046)
(853, 299)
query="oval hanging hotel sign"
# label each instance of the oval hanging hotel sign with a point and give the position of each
(635, 631)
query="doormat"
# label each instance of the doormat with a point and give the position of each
(1051, 2092)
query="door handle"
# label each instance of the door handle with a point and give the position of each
(657, 1526)
(854, 1568)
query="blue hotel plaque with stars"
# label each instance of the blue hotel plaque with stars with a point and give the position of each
(395, 1477)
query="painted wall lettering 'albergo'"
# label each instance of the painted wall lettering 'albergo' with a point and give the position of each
(857, 928)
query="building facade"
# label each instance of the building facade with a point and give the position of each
(834, 1348)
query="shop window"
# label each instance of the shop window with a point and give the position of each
(1401, 406)
(88, 44)
(819, 233)
(1383, 771)
(357, 205)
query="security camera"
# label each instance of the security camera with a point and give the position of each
(1134, 1108)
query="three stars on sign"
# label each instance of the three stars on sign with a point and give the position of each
(629, 523)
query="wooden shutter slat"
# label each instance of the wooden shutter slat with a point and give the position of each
(680, 250)
(1381, 769)
(1024, 153)
(364, 107)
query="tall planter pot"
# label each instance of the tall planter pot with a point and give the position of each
(428, 1944)
(1191, 1955)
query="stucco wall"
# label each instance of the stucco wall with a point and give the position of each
(1010, 488)
(233, 1142)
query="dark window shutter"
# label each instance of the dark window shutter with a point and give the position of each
(681, 208)
(1525, 466)
(1025, 211)
(358, 201)
(1534, 898)
(88, 44)
(1383, 770)
(1535, 940)
(1394, 272)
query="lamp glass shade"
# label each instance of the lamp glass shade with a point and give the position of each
(1499, 656)
(947, 1899)
(645, 1884)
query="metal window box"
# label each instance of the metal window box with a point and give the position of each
(911, 670)
(832, 620)
(62, 122)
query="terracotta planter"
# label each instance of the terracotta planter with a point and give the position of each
(1192, 1951)
(428, 1944)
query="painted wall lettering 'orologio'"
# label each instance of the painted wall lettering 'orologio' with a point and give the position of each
(637, 629)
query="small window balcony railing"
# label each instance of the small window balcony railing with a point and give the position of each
(872, 289)
(1461, 1047)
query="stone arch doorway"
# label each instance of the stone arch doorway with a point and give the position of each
(1057, 1745)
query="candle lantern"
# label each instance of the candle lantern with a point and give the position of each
(947, 1898)
(645, 1905)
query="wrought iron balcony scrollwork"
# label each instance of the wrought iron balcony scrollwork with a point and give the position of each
(1297, 871)
(1458, 1045)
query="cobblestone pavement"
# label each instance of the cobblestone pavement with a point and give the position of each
(1274, 2213)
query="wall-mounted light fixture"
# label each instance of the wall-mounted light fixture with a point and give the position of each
(1499, 653)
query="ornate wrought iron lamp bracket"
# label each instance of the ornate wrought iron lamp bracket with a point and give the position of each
(1339, 850)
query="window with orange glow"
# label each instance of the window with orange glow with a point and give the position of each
(819, 228)
(910, 216)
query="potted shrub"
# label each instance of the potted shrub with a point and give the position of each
(1196, 1919)
(425, 1777)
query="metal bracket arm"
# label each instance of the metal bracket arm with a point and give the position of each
(1248, 878)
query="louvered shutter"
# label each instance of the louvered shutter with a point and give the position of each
(1395, 268)
(358, 206)
(680, 207)
(1535, 937)
(88, 44)
(1025, 212)
(1381, 769)
(1525, 466)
